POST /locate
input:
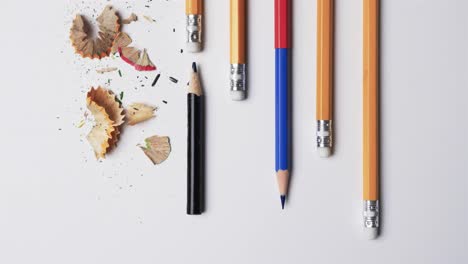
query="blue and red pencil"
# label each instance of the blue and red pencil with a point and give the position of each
(282, 96)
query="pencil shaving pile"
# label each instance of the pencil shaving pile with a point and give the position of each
(110, 40)
(109, 118)
(109, 115)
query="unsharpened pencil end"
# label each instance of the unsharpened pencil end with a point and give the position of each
(324, 152)
(193, 47)
(238, 95)
(283, 201)
(371, 233)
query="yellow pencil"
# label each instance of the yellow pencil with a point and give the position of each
(324, 76)
(238, 52)
(371, 118)
(194, 12)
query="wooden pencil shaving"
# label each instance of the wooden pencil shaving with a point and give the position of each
(136, 58)
(105, 101)
(132, 18)
(130, 55)
(144, 63)
(157, 149)
(105, 70)
(149, 19)
(137, 113)
(122, 40)
(100, 47)
(102, 130)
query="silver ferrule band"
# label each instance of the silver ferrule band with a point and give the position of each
(324, 133)
(194, 28)
(371, 214)
(238, 77)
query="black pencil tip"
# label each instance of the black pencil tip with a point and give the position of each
(194, 66)
(283, 201)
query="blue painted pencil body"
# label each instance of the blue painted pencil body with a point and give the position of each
(282, 109)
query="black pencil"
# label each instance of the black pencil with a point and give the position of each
(195, 146)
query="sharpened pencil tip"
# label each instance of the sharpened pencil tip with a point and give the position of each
(283, 201)
(194, 66)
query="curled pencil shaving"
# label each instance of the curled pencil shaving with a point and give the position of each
(157, 149)
(107, 105)
(138, 112)
(107, 99)
(136, 58)
(100, 47)
(101, 132)
(144, 63)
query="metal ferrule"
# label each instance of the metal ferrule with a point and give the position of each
(238, 77)
(324, 133)
(371, 214)
(194, 28)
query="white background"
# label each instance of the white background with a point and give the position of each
(59, 205)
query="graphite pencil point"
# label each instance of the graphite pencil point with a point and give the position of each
(283, 201)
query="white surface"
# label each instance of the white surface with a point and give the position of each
(58, 205)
